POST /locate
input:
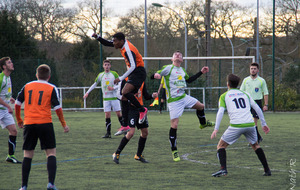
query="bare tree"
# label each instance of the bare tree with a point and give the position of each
(88, 18)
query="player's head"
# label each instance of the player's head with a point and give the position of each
(233, 81)
(254, 69)
(118, 40)
(6, 64)
(177, 57)
(43, 72)
(106, 65)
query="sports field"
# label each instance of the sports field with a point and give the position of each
(85, 162)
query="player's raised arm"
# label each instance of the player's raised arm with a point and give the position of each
(102, 40)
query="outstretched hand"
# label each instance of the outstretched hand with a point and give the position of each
(157, 76)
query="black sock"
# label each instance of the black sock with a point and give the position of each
(201, 116)
(11, 144)
(261, 156)
(161, 106)
(173, 138)
(108, 125)
(141, 146)
(134, 101)
(222, 158)
(125, 110)
(51, 167)
(258, 135)
(123, 143)
(26, 166)
(121, 121)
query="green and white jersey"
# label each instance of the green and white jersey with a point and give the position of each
(255, 87)
(175, 82)
(238, 105)
(5, 89)
(107, 79)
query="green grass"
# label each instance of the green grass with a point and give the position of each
(85, 162)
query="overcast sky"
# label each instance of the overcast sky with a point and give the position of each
(122, 6)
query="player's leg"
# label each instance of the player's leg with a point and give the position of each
(173, 139)
(116, 108)
(161, 105)
(26, 167)
(229, 137)
(48, 143)
(12, 138)
(261, 156)
(201, 115)
(176, 109)
(133, 117)
(30, 140)
(108, 125)
(142, 141)
(162, 100)
(128, 93)
(251, 136)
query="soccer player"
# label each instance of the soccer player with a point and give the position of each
(110, 100)
(136, 74)
(238, 104)
(175, 82)
(133, 122)
(162, 88)
(257, 88)
(6, 119)
(38, 97)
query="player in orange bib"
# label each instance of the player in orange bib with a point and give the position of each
(136, 74)
(38, 98)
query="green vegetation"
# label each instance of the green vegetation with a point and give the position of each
(84, 158)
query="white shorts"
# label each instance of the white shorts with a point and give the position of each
(6, 118)
(111, 105)
(233, 133)
(176, 108)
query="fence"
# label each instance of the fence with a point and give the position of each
(204, 95)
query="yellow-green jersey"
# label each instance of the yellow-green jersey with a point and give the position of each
(5, 89)
(255, 87)
(107, 79)
(175, 82)
(238, 105)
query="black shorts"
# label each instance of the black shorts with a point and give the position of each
(259, 103)
(44, 132)
(137, 77)
(163, 94)
(133, 118)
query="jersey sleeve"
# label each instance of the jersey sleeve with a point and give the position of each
(165, 70)
(243, 87)
(20, 98)
(54, 99)
(265, 88)
(98, 78)
(115, 74)
(222, 102)
(186, 77)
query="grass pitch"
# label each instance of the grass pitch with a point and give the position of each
(85, 162)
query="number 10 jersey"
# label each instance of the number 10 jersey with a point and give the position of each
(238, 105)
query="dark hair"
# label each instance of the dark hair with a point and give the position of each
(3, 62)
(255, 65)
(233, 80)
(106, 61)
(119, 36)
(43, 72)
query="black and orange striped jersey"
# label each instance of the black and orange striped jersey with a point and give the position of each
(38, 97)
(133, 58)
